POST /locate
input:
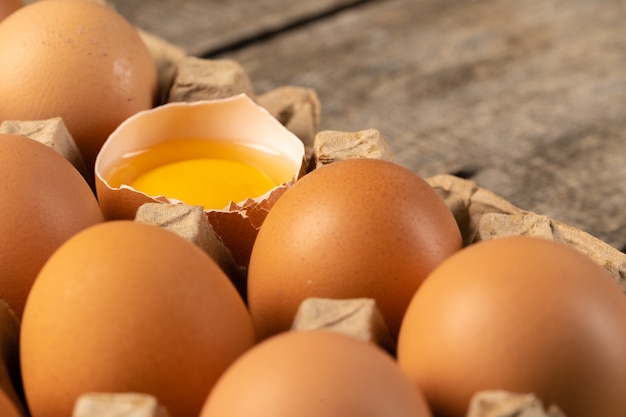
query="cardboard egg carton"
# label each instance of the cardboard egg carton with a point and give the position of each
(483, 215)
(479, 213)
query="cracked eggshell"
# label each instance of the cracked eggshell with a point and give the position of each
(237, 118)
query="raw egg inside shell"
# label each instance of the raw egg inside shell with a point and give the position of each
(519, 314)
(207, 173)
(357, 228)
(228, 155)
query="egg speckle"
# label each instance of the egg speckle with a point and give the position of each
(355, 228)
(519, 314)
(78, 60)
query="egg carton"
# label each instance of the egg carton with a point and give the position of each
(480, 214)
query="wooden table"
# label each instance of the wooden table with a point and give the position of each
(527, 98)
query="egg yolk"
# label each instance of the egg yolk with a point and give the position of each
(209, 173)
(208, 182)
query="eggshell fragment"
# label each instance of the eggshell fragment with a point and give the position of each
(118, 405)
(236, 118)
(207, 79)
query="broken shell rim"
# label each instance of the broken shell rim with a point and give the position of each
(296, 147)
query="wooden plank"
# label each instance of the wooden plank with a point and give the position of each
(530, 96)
(203, 26)
(578, 179)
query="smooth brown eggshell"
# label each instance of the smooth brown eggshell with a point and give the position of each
(520, 314)
(130, 307)
(358, 228)
(44, 202)
(78, 60)
(311, 374)
(235, 118)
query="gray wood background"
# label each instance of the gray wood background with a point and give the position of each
(527, 98)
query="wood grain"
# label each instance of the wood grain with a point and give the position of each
(203, 26)
(528, 98)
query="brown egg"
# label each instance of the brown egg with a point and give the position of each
(9, 6)
(355, 228)
(78, 60)
(129, 307)
(312, 374)
(44, 202)
(521, 314)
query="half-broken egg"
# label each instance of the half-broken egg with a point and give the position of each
(228, 155)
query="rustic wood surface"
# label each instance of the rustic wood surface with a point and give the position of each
(526, 98)
(201, 26)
